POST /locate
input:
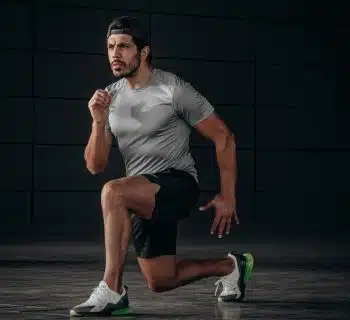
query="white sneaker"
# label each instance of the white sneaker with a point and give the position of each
(234, 284)
(103, 302)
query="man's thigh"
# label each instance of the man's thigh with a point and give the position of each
(174, 201)
(176, 197)
(153, 238)
(137, 192)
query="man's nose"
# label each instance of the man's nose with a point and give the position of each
(116, 53)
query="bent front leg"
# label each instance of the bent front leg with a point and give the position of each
(118, 196)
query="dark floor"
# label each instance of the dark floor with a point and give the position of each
(291, 281)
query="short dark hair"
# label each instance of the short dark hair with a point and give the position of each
(140, 44)
(132, 27)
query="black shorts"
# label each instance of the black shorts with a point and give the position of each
(176, 198)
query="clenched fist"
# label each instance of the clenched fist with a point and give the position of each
(98, 105)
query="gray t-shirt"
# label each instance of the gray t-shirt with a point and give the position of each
(152, 125)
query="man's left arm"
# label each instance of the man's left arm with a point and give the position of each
(215, 129)
(197, 111)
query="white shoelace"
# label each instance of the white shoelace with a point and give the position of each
(227, 281)
(99, 293)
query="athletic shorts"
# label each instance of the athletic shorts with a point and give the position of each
(175, 200)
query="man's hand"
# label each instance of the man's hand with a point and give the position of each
(225, 211)
(98, 105)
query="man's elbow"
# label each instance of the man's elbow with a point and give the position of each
(94, 171)
(225, 140)
(231, 138)
(95, 168)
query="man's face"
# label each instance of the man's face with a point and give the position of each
(123, 55)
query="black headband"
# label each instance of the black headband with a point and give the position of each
(121, 31)
(125, 25)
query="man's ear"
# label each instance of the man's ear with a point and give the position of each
(145, 51)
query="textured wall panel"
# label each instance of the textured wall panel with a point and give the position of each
(288, 85)
(71, 29)
(16, 72)
(62, 121)
(289, 44)
(106, 4)
(16, 26)
(64, 208)
(271, 9)
(299, 128)
(75, 75)
(302, 170)
(200, 38)
(16, 166)
(63, 168)
(16, 123)
(300, 209)
(14, 208)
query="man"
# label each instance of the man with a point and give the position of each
(150, 112)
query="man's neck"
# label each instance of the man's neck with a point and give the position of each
(141, 78)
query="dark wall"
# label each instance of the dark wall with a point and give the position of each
(275, 71)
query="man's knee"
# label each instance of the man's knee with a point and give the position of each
(113, 191)
(158, 285)
(133, 193)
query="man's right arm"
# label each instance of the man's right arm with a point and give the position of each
(98, 148)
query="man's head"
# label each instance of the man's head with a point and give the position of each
(127, 46)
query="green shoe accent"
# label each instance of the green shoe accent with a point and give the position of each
(249, 266)
(120, 312)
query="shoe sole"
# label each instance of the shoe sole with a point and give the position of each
(121, 312)
(249, 259)
(248, 273)
(118, 312)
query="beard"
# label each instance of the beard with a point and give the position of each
(130, 69)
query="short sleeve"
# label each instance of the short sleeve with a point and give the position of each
(190, 104)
